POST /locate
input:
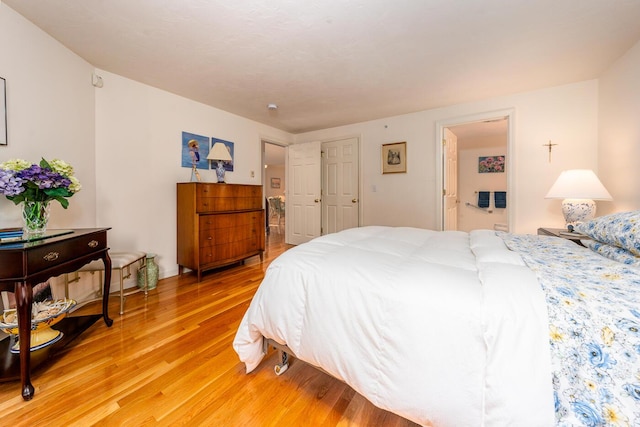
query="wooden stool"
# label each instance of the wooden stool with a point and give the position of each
(120, 261)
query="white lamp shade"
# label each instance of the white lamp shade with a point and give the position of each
(219, 151)
(578, 188)
(578, 184)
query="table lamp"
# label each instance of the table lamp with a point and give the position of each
(578, 188)
(220, 153)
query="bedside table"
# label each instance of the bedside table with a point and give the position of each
(563, 233)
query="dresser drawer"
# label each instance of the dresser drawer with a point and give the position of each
(221, 204)
(226, 252)
(57, 253)
(226, 191)
(227, 235)
(225, 221)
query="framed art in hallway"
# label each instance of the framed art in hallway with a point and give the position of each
(4, 135)
(275, 182)
(394, 157)
(491, 164)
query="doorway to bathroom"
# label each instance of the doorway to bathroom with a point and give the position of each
(475, 172)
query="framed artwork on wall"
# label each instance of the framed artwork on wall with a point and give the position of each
(228, 165)
(394, 157)
(4, 135)
(195, 149)
(491, 164)
(275, 182)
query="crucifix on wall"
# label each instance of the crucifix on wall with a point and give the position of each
(550, 145)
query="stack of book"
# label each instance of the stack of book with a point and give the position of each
(8, 235)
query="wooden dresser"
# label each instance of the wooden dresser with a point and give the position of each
(218, 224)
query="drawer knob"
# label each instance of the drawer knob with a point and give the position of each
(51, 256)
(93, 244)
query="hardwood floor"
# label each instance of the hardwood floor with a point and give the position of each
(169, 361)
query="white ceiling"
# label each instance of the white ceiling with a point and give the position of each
(332, 62)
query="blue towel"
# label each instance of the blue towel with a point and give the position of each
(483, 199)
(500, 199)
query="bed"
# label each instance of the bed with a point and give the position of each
(463, 329)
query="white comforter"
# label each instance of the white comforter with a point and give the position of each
(448, 328)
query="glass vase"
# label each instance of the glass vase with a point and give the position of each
(36, 217)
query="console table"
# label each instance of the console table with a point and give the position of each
(28, 263)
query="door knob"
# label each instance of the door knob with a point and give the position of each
(317, 200)
(354, 200)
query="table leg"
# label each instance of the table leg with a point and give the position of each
(24, 299)
(106, 259)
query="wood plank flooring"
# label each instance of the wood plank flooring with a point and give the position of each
(169, 361)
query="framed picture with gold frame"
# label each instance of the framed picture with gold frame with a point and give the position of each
(394, 157)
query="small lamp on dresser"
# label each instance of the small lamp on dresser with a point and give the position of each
(578, 188)
(220, 153)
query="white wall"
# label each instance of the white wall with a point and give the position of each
(619, 133)
(138, 160)
(565, 114)
(50, 108)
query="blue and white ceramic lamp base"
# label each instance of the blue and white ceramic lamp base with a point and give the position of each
(576, 211)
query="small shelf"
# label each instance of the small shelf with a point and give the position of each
(70, 326)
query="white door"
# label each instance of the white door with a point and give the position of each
(340, 194)
(450, 180)
(303, 192)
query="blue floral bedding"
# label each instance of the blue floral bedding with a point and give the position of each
(594, 326)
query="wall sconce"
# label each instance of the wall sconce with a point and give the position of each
(220, 153)
(578, 188)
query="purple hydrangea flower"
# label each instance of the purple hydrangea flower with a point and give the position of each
(10, 184)
(44, 178)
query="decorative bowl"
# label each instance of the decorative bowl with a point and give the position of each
(43, 316)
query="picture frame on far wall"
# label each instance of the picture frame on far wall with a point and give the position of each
(394, 157)
(4, 134)
(275, 182)
(491, 164)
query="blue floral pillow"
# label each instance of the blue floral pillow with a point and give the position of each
(613, 252)
(620, 229)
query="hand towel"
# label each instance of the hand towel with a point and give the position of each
(500, 199)
(483, 199)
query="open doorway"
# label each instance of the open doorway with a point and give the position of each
(482, 178)
(274, 188)
(480, 181)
